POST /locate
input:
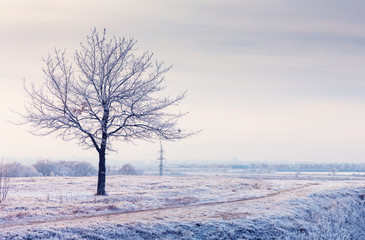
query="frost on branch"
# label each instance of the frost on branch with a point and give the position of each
(106, 92)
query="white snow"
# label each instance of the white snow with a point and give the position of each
(66, 206)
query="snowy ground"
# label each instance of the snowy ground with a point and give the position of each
(152, 207)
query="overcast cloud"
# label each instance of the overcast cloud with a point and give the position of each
(267, 80)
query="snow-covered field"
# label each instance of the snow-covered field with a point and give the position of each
(153, 207)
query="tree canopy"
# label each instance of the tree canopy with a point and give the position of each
(109, 90)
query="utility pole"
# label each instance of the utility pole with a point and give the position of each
(161, 159)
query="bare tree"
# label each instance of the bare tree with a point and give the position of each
(110, 91)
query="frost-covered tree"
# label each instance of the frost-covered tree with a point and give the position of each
(45, 167)
(107, 91)
(129, 169)
(16, 169)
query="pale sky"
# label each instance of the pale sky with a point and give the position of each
(278, 81)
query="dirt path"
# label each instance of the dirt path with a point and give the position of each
(227, 209)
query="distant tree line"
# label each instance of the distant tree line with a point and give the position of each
(320, 167)
(126, 169)
(65, 168)
(62, 168)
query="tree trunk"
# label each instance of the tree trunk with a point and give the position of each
(102, 150)
(101, 174)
